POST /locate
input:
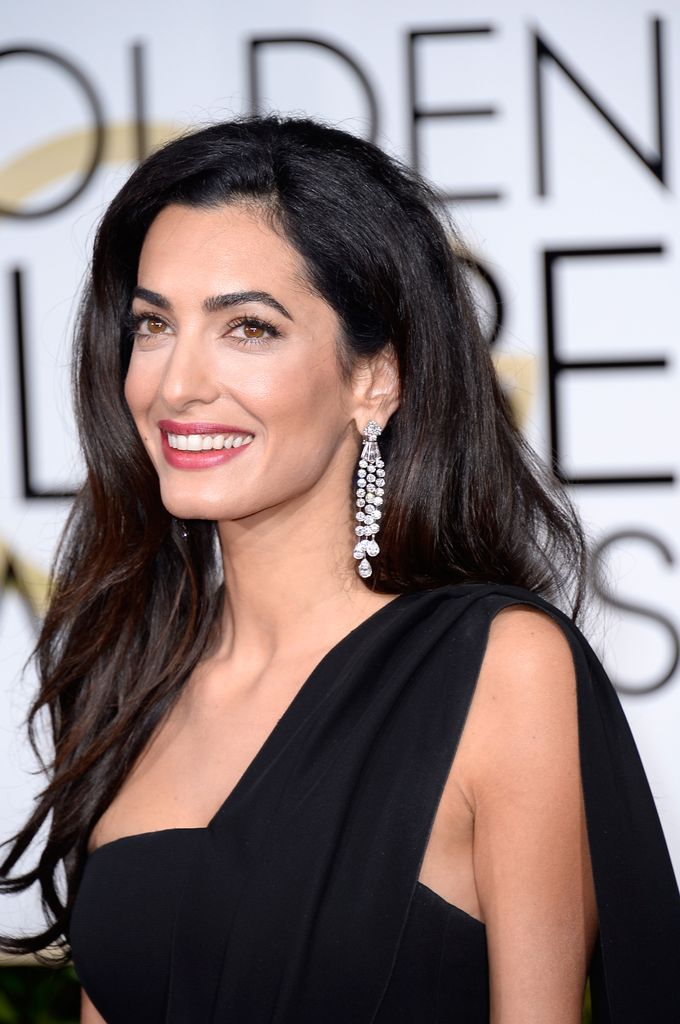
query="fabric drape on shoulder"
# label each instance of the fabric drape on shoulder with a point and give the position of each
(324, 842)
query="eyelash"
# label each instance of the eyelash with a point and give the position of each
(135, 320)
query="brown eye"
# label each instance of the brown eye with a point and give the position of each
(253, 330)
(155, 325)
(250, 331)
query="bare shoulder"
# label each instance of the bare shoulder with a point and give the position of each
(524, 712)
(525, 643)
(520, 773)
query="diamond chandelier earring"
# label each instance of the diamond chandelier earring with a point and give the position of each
(370, 490)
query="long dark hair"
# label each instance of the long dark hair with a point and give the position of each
(134, 603)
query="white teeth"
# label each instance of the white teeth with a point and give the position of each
(207, 442)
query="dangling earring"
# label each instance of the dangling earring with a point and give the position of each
(370, 490)
(182, 528)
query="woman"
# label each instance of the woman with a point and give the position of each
(322, 744)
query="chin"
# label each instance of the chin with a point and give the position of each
(194, 506)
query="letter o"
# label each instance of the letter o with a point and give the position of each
(97, 120)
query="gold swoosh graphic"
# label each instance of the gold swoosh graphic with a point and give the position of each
(53, 159)
(26, 579)
(517, 375)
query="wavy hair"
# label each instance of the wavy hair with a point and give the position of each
(134, 604)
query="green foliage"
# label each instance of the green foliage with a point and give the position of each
(39, 995)
(587, 1011)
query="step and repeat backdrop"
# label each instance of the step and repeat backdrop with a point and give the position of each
(552, 131)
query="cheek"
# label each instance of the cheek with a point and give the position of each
(307, 392)
(293, 396)
(306, 419)
(138, 389)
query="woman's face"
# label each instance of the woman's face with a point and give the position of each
(234, 381)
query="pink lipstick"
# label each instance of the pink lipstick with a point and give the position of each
(201, 445)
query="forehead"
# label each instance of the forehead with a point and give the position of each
(232, 244)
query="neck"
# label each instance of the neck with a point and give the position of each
(290, 580)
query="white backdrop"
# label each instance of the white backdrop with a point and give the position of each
(553, 128)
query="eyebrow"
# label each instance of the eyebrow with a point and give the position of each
(215, 303)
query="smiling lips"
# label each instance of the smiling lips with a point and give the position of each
(201, 445)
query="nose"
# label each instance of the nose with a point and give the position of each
(188, 375)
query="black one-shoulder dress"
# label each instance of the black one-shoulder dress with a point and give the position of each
(300, 902)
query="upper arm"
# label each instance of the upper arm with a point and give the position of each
(88, 1013)
(521, 773)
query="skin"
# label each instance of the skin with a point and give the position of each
(508, 844)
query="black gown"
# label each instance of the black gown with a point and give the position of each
(300, 902)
